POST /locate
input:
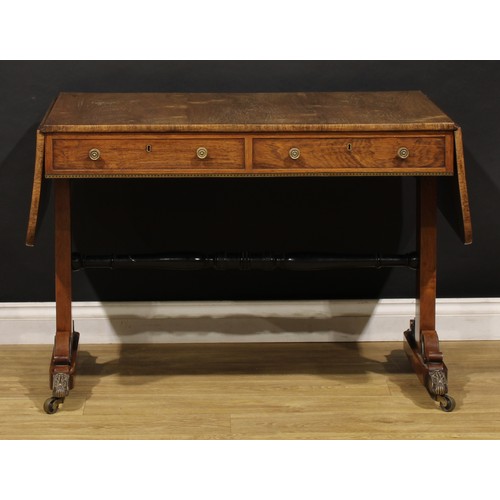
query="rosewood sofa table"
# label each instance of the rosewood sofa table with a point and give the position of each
(153, 135)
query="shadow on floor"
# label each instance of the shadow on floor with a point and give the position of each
(331, 361)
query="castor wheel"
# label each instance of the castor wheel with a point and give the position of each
(446, 403)
(51, 405)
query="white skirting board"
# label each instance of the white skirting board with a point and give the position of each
(270, 321)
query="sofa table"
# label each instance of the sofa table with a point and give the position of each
(154, 135)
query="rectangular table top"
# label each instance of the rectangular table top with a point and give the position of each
(245, 112)
(251, 134)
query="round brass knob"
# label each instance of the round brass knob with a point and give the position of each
(294, 153)
(94, 154)
(202, 153)
(403, 153)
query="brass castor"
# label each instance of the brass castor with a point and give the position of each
(446, 403)
(60, 385)
(51, 405)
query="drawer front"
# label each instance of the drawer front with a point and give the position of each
(157, 155)
(115, 156)
(390, 153)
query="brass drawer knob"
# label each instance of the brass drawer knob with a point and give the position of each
(403, 153)
(94, 154)
(202, 153)
(294, 153)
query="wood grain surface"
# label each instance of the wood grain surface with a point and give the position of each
(353, 152)
(136, 155)
(36, 190)
(63, 274)
(250, 391)
(462, 188)
(124, 154)
(236, 112)
(248, 114)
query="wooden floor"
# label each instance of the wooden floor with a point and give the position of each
(250, 391)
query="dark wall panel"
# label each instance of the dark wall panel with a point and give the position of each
(261, 215)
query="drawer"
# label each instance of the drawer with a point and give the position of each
(110, 155)
(354, 153)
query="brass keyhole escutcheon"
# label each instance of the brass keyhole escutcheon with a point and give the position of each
(349, 146)
(149, 148)
(94, 154)
(202, 153)
(294, 153)
(403, 153)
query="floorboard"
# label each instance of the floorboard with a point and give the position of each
(250, 391)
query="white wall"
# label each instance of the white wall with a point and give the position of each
(301, 321)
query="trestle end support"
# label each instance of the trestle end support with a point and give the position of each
(432, 374)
